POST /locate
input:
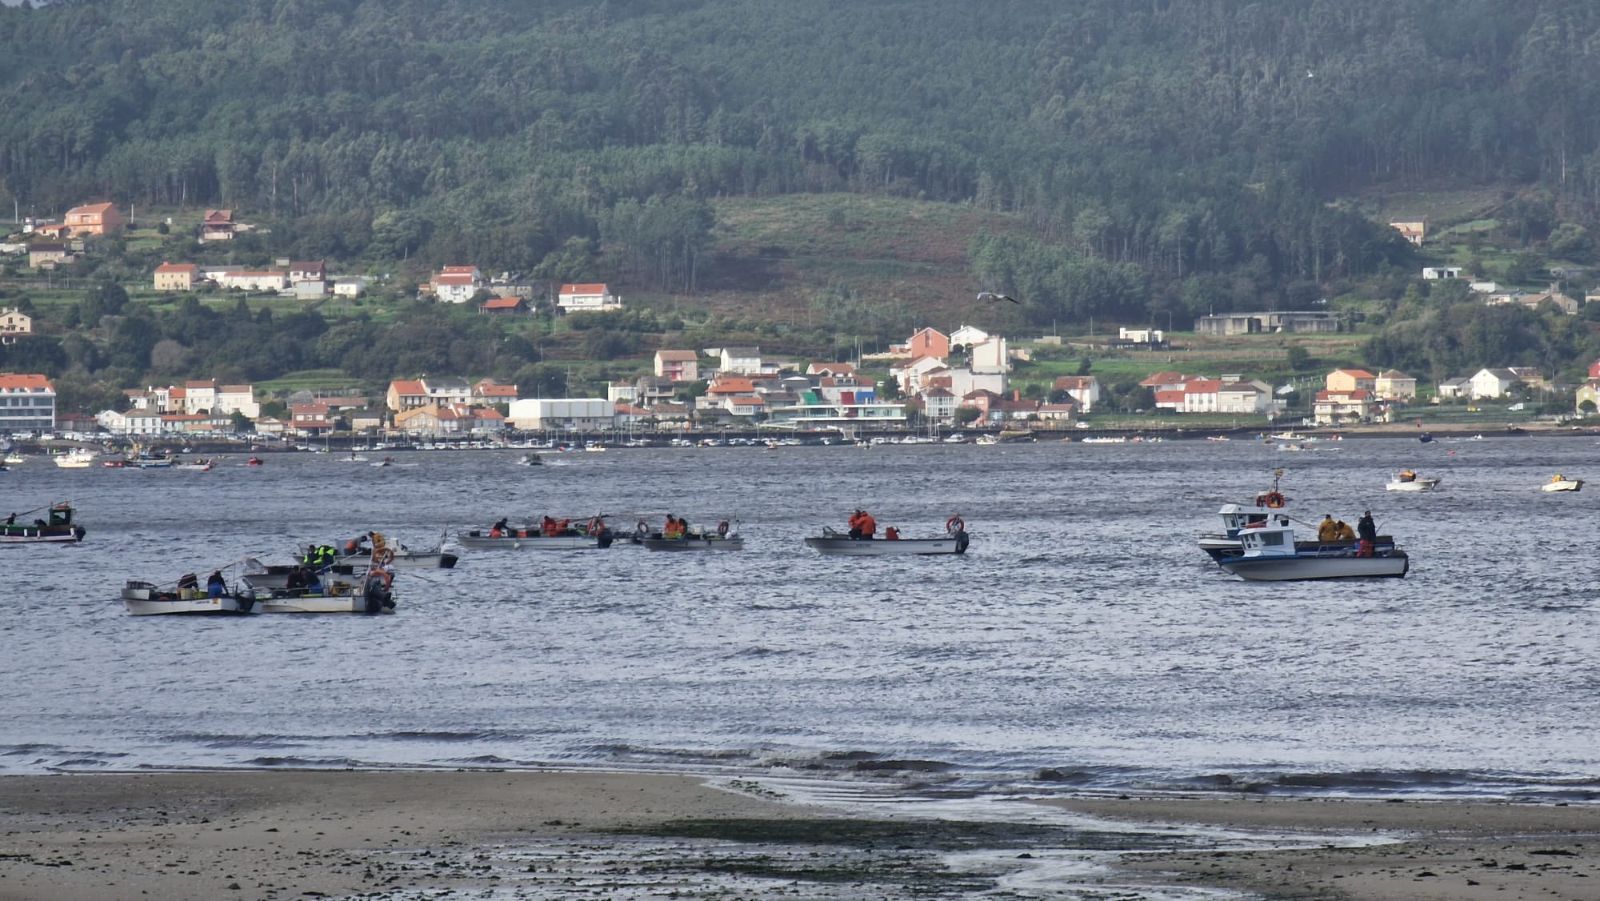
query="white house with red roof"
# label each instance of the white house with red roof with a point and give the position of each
(1200, 396)
(591, 297)
(27, 403)
(1083, 389)
(457, 284)
(310, 420)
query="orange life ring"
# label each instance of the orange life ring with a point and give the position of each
(722, 528)
(382, 557)
(954, 524)
(1273, 499)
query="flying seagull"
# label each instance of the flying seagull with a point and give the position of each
(990, 295)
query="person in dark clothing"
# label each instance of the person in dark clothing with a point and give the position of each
(297, 579)
(1367, 531)
(216, 587)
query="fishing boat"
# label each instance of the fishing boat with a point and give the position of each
(204, 464)
(58, 528)
(1236, 518)
(838, 544)
(1559, 482)
(148, 599)
(1408, 480)
(356, 551)
(253, 461)
(77, 458)
(339, 588)
(724, 538)
(531, 536)
(274, 576)
(530, 460)
(1271, 554)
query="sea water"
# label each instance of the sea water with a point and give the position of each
(1083, 637)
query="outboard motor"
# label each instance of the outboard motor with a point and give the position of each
(961, 541)
(605, 537)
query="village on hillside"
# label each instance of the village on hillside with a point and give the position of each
(932, 379)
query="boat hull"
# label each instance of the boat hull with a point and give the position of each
(1221, 547)
(1567, 485)
(283, 602)
(1302, 568)
(144, 599)
(1414, 485)
(482, 541)
(880, 547)
(694, 543)
(276, 576)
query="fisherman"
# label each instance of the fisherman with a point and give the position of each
(216, 587)
(296, 582)
(498, 530)
(11, 520)
(1367, 530)
(868, 525)
(891, 534)
(855, 525)
(673, 527)
(1344, 532)
(1328, 530)
(548, 528)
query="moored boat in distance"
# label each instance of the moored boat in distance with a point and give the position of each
(1408, 480)
(839, 544)
(1271, 554)
(1559, 482)
(77, 458)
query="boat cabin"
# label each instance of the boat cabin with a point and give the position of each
(1269, 540)
(1236, 517)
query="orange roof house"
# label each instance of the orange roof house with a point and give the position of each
(92, 219)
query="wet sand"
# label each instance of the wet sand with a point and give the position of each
(1443, 850)
(606, 834)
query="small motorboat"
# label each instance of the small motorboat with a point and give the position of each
(530, 460)
(147, 599)
(1408, 480)
(1425, 438)
(253, 461)
(57, 529)
(565, 536)
(724, 538)
(204, 464)
(1271, 554)
(838, 544)
(1559, 482)
(77, 458)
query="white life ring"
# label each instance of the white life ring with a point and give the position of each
(954, 524)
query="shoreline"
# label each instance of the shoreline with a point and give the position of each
(558, 833)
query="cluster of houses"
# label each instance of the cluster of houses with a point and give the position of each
(1493, 295)
(64, 241)
(509, 295)
(304, 279)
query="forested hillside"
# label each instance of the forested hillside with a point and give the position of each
(1163, 153)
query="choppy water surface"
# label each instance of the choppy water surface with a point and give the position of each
(1083, 632)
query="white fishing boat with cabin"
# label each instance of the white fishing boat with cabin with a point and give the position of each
(77, 458)
(1271, 554)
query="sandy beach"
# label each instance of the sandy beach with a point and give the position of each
(585, 834)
